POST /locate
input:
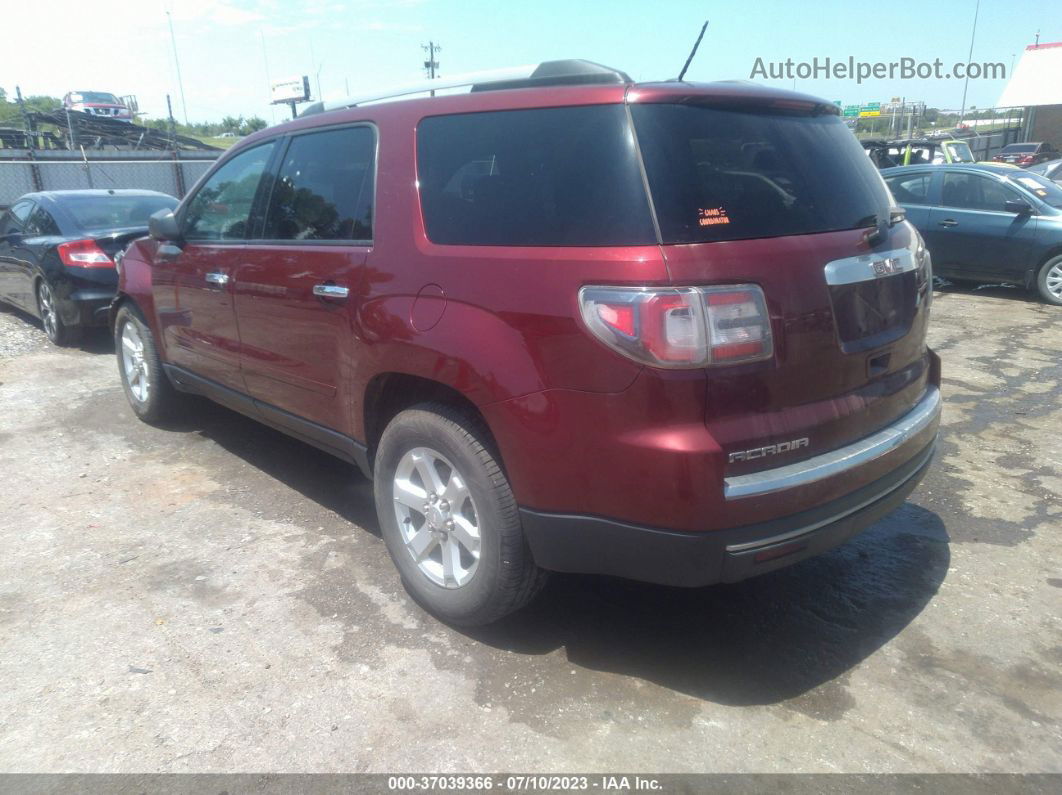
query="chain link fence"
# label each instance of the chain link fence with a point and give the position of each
(22, 172)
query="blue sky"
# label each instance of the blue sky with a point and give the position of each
(230, 48)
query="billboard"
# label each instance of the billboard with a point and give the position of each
(290, 89)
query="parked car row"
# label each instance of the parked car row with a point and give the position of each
(666, 331)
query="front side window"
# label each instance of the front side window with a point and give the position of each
(719, 174)
(14, 219)
(543, 177)
(975, 192)
(221, 210)
(909, 189)
(324, 190)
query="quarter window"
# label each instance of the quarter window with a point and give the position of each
(543, 177)
(14, 218)
(324, 190)
(221, 210)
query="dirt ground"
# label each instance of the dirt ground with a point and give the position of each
(215, 597)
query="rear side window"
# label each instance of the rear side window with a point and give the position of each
(41, 223)
(542, 177)
(325, 187)
(719, 174)
(909, 189)
(221, 210)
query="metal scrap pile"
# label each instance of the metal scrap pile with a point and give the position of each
(96, 132)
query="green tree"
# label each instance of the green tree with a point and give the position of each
(253, 124)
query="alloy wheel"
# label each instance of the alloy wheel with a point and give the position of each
(133, 363)
(437, 518)
(46, 304)
(1054, 280)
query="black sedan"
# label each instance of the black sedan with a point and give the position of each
(57, 252)
(986, 223)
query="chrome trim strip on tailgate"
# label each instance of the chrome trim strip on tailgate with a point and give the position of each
(868, 267)
(837, 461)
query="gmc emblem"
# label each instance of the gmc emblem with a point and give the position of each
(771, 449)
(887, 267)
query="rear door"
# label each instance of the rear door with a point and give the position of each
(193, 284)
(296, 287)
(974, 235)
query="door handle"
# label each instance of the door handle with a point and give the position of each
(330, 291)
(218, 278)
(948, 222)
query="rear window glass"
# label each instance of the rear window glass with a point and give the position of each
(114, 212)
(1014, 148)
(718, 174)
(542, 177)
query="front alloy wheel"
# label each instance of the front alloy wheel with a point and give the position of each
(133, 365)
(1050, 281)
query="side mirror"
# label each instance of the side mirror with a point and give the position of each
(162, 225)
(1017, 206)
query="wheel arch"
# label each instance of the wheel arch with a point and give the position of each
(389, 393)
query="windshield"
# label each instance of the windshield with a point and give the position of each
(726, 175)
(1041, 187)
(960, 152)
(114, 212)
(97, 97)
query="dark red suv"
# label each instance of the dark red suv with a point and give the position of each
(671, 332)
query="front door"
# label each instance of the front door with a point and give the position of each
(193, 282)
(296, 288)
(974, 235)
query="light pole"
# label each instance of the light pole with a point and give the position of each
(177, 63)
(969, 57)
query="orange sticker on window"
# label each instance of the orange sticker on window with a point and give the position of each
(710, 216)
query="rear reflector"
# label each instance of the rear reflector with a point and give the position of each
(682, 327)
(84, 254)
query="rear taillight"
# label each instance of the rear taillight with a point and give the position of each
(1026, 159)
(84, 254)
(682, 327)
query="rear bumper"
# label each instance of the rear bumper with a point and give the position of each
(594, 545)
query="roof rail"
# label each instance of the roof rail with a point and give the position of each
(548, 73)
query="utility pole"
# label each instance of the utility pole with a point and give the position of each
(173, 124)
(431, 64)
(966, 83)
(177, 63)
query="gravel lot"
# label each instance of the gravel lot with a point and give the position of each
(216, 597)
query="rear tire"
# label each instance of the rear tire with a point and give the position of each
(449, 518)
(1049, 281)
(48, 308)
(148, 389)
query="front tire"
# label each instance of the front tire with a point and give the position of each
(150, 393)
(449, 518)
(48, 308)
(1049, 281)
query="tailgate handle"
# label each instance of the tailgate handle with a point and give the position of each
(949, 222)
(878, 365)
